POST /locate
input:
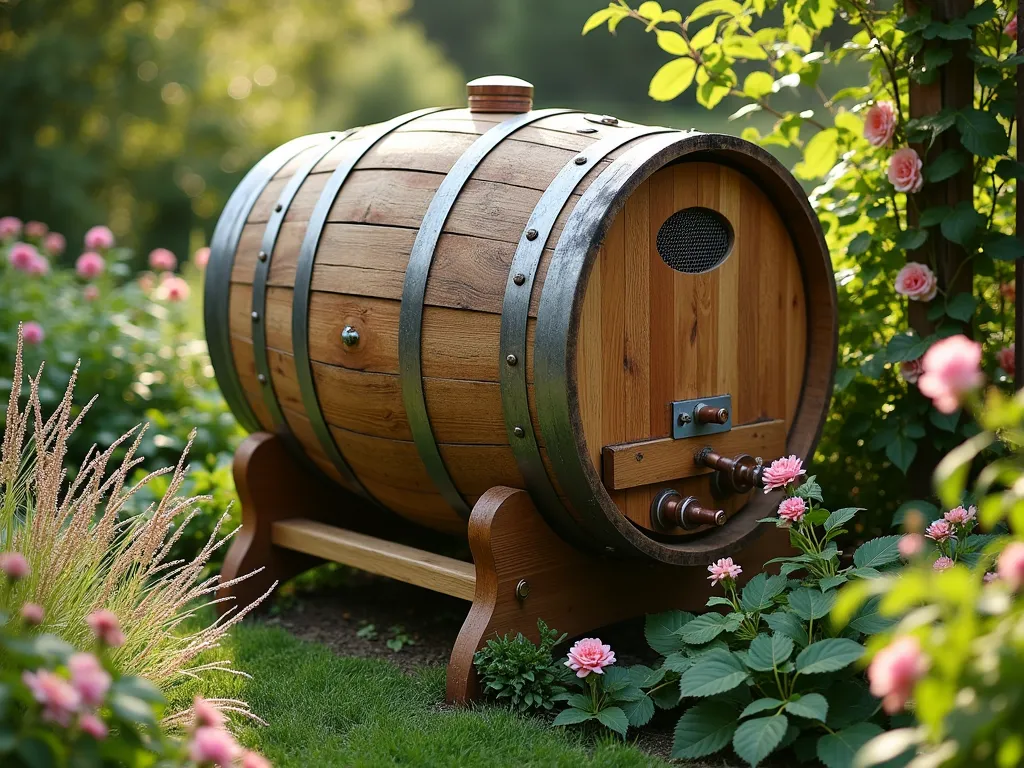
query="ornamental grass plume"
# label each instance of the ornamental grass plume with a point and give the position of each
(87, 567)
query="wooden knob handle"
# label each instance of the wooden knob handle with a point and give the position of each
(499, 93)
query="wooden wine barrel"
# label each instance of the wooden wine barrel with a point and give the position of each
(458, 299)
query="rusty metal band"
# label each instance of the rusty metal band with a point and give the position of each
(217, 291)
(367, 138)
(410, 322)
(515, 313)
(554, 349)
(259, 286)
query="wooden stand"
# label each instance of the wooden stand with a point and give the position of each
(522, 570)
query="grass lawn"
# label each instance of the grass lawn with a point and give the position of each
(328, 710)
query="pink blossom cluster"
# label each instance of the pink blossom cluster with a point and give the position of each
(211, 744)
(895, 670)
(11, 227)
(26, 258)
(590, 655)
(951, 370)
(782, 472)
(724, 571)
(792, 509)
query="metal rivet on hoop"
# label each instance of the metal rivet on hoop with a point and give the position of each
(278, 207)
(255, 316)
(531, 234)
(523, 589)
(349, 336)
(519, 432)
(519, 278)
(580, 161)
(586, 130)
(261, 378)
(262, 256)
(511, 359)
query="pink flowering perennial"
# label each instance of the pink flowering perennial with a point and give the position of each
(99, 238)
(961, 516)
(952, 368)
(793, 509)
(894, 671)
(782, 472)
(724, 570)
(213, 745)
(89, 678)
(89, 265)
(1010, 566)
(940, 531)
(911, 545)
(162, 260)
(14, 565)
(905, 170)
(917, 282)
(60, 701)
(943, 564)
(105, 626)
(590, 655)
(880, 124)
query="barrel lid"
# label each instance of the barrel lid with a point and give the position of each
(499, 93)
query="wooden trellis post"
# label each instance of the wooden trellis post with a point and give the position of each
(1018, 320)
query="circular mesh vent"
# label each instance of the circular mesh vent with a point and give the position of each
(695, 240)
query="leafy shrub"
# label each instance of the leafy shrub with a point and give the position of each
(954, 654)
(83, 559)
(521, 674)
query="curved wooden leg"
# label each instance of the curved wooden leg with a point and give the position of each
(271, 486)
(574, 592)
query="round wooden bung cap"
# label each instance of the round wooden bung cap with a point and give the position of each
(499, 93)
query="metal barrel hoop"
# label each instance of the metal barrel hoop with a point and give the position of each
(259, 294)
(217, 291)
(369, 137)
(515, 314)
(410, 323)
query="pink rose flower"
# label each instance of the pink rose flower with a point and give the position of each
(32, 613)
(91, 292)
(782, 472)
(723, 570)
(1010, 565)
(1011, 27)
(917, 282)
(173, 289)
(952, 368)
(22, 256)
(147, 281)
(89, 678)
(943, 564)
(60, 701)
(880, 124)
(1007, 358)
(35, 229)
(201, 258)
(39, 266)
(54, 243)
(894, 670)
(93, 726)
(940, 531)
(105, 626)
(911, 545)
(213, 745)
(206, 714)
(905, 170)
(99, 238)
(10, 227)
(161, 259)
(89, 265)
(254, 760)
(14, 565)
(911, 370)
(590, 655)
(961, 516)
(793, 509)
(33, 333)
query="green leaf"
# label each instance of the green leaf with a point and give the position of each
(811, 604)
(759, 706)
(718, 671)
(946, 165)
(705, 628)
(820, 154)
(755, 739)
(758, 84)
(911, 239)
(788, 624)
(859, 244)
(36, 752)
(849, 702)
(945, 421)
(710, 93)
(877, 552)
(841, 517)
(572, 716)
(869, 620)
(760, 592)
(901, 450)
(931, 216)
(828, 655)
(718, 600)
(810, 489)
(639, 712)
(813, 706)
(727, 7)
(598, 18)
(677, 662)
(704, 730)
(140, 688)
(961, 224)
(961, 307)
(837, 750)
(1003, 247)
(132, 709)
(831, 582)
(672, 79)
(981, 133)
(672, 42)
(768, 653)
(614, 718)
(645, 677)
(661, 631)
(905, 346)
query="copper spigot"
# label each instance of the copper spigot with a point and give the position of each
(670, 509)
(740, 474)
(709, 414)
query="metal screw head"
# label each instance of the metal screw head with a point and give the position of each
(511, 359)
(522, 589)
(262, 256)
(278, 207)
(531, 234)
(261, 378)
(685, 418)
(586, 130)
(255, 316)
(609, 120)
(519, 278)
(639, 457)
(580, 161)
(519, 432)
(349, 336)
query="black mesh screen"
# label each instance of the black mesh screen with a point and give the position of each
(695, 240)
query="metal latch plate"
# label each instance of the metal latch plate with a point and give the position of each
(686, 424)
